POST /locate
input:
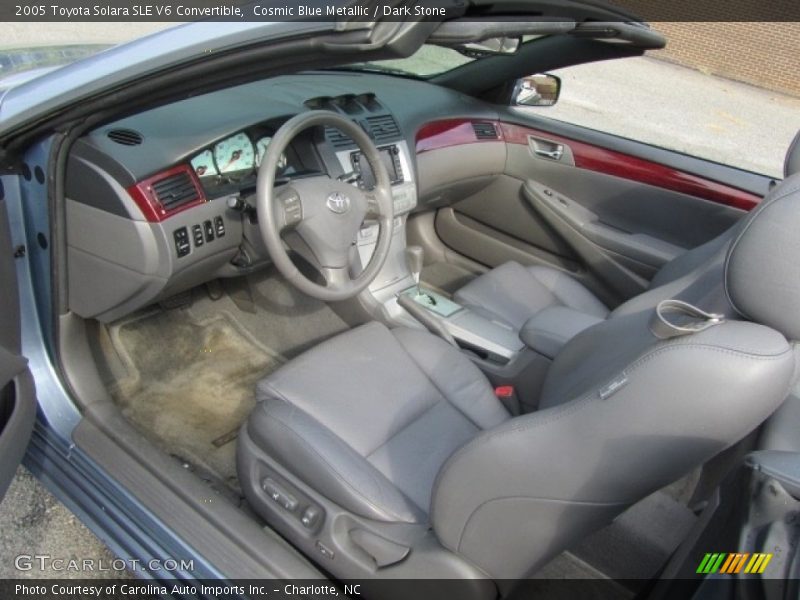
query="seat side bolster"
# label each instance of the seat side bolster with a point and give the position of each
(542, 481)
(322, 460)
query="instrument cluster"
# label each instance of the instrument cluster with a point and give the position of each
(234, 158)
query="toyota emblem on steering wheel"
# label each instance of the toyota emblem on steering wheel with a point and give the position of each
(338, 202)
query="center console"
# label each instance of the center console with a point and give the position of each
(487, 340)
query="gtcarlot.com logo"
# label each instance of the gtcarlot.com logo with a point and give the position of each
(46, 562)
(734, 562)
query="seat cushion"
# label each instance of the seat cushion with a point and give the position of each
(512, 294)
(368, 418)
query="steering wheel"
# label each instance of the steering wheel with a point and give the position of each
(325, 213)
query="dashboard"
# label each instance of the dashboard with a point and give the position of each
(163, 200)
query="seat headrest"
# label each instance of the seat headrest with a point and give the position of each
(791, 164)
(762, 268)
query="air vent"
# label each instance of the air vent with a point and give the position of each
(337, 138)
(175, 191)
(485, 131)
(383, 128)
(126, 137)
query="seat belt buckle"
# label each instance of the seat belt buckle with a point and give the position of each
(508, 398)
(505, 391)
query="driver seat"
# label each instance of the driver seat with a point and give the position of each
(385, 453)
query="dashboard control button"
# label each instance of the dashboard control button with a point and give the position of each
(209, 229)
(197, 235)
(219, 226)
(182, 246)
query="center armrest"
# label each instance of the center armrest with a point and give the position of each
(548, 330)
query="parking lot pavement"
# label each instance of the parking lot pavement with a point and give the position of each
(37, 34)
(682, 109)
(34, 523)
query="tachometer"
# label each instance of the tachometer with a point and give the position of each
(203, 164)
(234, 154)
(261, 149)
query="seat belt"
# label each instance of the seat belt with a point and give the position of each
(674, 318)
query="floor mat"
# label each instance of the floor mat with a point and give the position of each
(190, 384)
(637, 545)
(273, 312)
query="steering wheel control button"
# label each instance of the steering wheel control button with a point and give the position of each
(338, 202)
(219, 226)
(182, 247)
(197, 234)
(209, 229)
(279, 494)
(292, 210)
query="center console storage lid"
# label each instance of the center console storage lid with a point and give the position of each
(548, 330)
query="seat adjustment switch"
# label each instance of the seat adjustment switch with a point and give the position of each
(279, 494)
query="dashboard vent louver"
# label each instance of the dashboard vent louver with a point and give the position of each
(337, 138)
(126, 137)
(175, 191)
(383, 128)
(485, 131)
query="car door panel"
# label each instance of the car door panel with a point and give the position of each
(617, 216)
(17, 394)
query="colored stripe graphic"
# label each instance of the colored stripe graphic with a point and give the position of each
(732, 563)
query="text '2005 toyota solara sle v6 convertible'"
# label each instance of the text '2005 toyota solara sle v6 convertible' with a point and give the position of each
(329, 301)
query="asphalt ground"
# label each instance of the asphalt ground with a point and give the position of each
(641, 98)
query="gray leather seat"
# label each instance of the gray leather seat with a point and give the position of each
(513, 294)
(385, 453)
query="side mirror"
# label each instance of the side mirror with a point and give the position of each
(537, 90)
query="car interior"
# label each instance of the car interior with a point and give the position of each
(410, 329)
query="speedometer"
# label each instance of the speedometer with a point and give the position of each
(234, 154)
(261, 150)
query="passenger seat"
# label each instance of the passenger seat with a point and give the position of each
(512, 293)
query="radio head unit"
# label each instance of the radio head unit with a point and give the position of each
(390, 156)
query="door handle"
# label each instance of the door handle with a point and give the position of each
(555, 154)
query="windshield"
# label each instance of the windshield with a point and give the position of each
(428, 61)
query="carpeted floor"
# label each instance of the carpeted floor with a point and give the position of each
(189, 385)
(186, 376)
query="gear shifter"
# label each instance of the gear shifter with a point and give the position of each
(414, 256)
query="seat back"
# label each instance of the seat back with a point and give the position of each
(689, 262)
(629, 412)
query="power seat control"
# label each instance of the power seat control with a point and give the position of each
(325, 551)
(279, 494)
(310, 517)
(182, 246)
(197, 235)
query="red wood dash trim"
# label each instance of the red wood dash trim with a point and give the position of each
(145, 197)
(611, 162)
(451, 132)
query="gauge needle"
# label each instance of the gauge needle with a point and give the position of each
(234, 157)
